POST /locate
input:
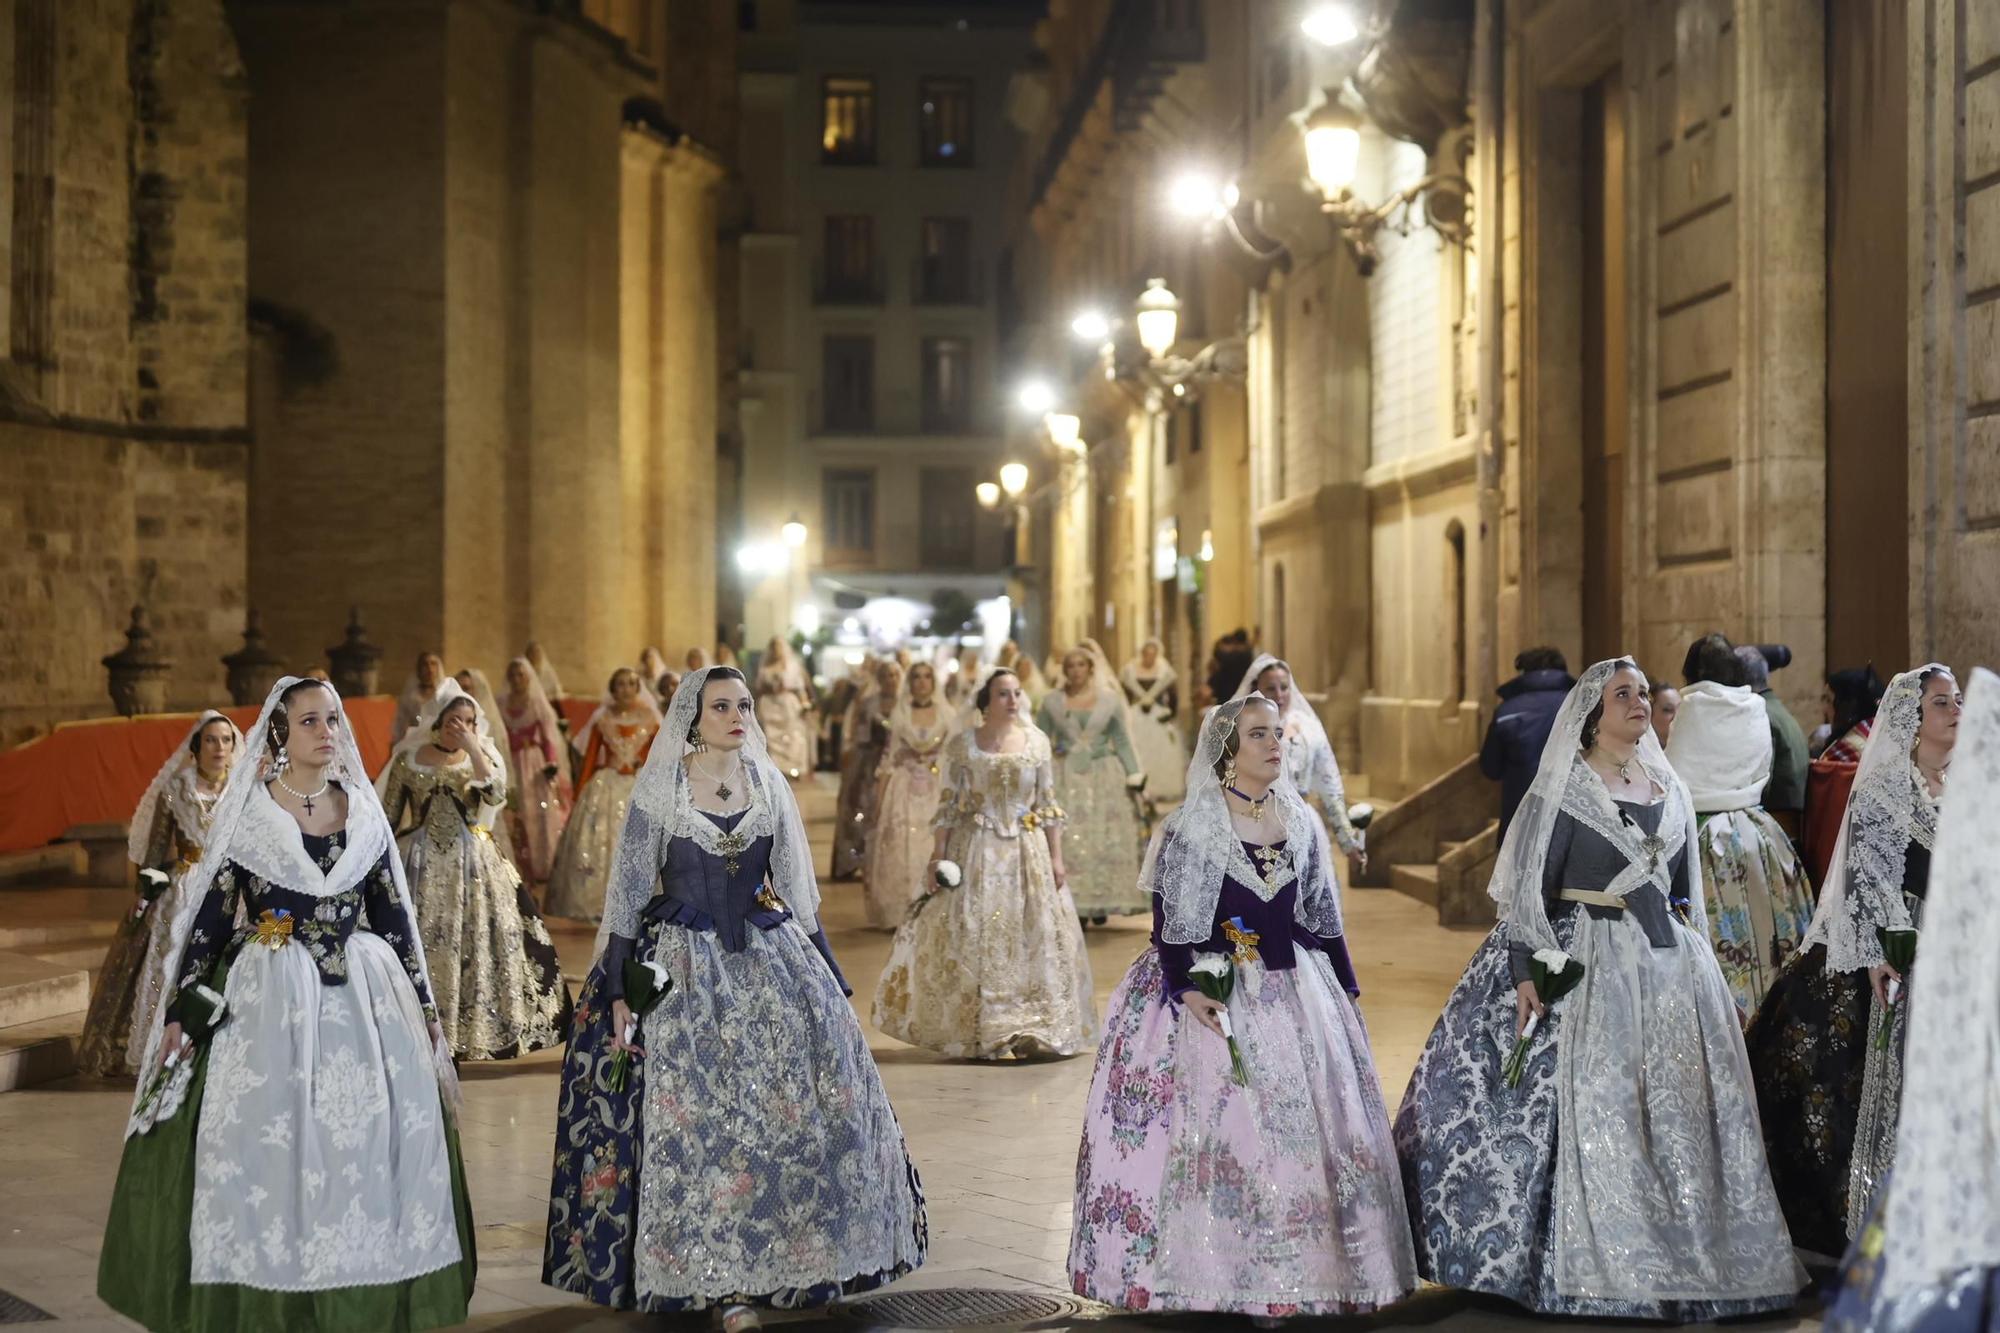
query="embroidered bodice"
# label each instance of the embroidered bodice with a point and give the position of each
(180, 827)
(1002, 794)
(1086, 734)
(443, 800)
(720, 892)
(1248, 924)
(920, 748)
(243, 910)
(1582, 858)
(624, 741)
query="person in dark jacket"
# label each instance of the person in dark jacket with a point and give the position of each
(1785, 794)
(1528, 704)
(1233, 655)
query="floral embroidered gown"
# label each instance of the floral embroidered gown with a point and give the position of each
(1104, 832)
(900, 851)
(1624, 1177)
(582, 868)
(126, 992)
(1279, 1197)
(311, 1179)
(540, 804)
(863, 742)
(1826, 1096)
(500, 990)
(997, 967)
(752, 1155)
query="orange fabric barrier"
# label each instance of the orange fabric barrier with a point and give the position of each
(576, 712)
(1828, 782)
(95, 772)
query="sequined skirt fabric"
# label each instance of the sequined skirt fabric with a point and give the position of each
(582, 869)
(1103, 836)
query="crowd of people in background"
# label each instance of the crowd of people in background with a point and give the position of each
(1683, 1058)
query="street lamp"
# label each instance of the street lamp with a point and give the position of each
(1329, 25)
(1440, 201)
(1013, 479)
(1194, 194)
(1065, 429)
(1159, 317)
(1036, 397)
(988, 493)
(1090, 326)
(794, 532)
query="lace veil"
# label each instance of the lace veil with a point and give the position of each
(1164, 675)
(423, 730)
(1109, 693)
(1564, 784)
(251, 830)
(1302, 724)
(646, 702)
(539, 707)
(1887, 807)
(1943, 1211)
(947, 720)
(1196, 847)
(663, 807)
(179, 768)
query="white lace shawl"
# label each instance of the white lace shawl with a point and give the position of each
(663, 806)
(1888, 806)
(173, 786)
(1943, 1209)
(1721, 746)
(1164, 678)
(1196, 848)
(250, 829)
(1564, 784)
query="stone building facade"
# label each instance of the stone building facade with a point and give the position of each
(415, 308)
(1662, 386)
(123, 346)
(875, 151)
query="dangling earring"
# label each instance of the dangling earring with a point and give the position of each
(284, 758)
(1229, 773)
(695, 740)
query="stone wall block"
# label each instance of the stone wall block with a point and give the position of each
(1697, 257)
(1982, 371)
(1698, 171)
(1982, 32)
(1980, 500)
(1982, 125)
(1696, 518)
(1697, 342)
(1696, 428)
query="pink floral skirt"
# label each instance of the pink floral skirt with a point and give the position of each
(1277, 1198)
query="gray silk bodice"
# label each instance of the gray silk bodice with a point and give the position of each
(1582, 858)
(695, 880)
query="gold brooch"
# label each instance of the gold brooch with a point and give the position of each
(1242, 941)
(274, 928)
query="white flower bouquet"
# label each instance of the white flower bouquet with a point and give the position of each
(1214, 975)
(948, 875)
(1555, 975)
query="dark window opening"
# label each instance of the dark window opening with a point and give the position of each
(944, 122)
(849, 382)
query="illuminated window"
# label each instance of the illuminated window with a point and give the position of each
(944, 122)
(847, 121)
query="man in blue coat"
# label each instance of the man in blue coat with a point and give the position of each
(1521, 725)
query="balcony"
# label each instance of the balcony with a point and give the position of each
(938, 284)
(1141, 46)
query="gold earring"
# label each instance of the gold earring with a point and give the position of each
(1229, 773)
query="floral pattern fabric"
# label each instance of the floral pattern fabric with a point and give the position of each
(1093, 760)
(1758, 898)
(581, 874)
(900, 851)
(752, 1154)
(1277, 1198)
(996, 967)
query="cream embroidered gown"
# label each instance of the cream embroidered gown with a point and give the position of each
(1105, 835)
(900, 851)
(500, 991)
(995, 968)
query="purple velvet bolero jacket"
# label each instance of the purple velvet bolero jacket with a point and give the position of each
(1280, 937)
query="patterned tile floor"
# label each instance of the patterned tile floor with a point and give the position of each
(996, 1145)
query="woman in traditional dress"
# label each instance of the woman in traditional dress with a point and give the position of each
(1308, 753)
(1034, 685)
(1275, 1196)
(1928, 1261)
(615, 743)
(864, 738)
(1154, 693)
(900, 851)
(784, 707)
(299, 1168)
(473, 681)
(749, 1157)
(540, 792)
(1623, 1177)
(1098, 780)
(544, 669)
(498, 984)
(166, 834)
(995, 967)
(652, 665)
(1758, 898)
(418, 691)
(1828, 1086)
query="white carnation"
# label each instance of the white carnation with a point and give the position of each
(1210, 965)
(1553, 959)
(157, 878)
(949, 875)
(660, 982)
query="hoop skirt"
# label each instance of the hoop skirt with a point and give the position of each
(752, 1155)
(1277, 1198)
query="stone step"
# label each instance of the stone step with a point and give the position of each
(61, 861)
(37, 1053)
(32, 920)
(1417, 881)
(32, 990)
